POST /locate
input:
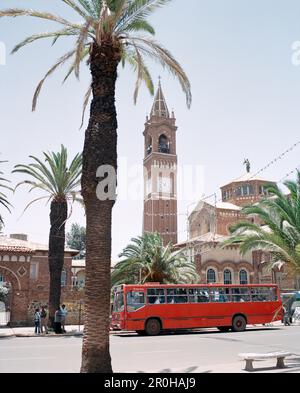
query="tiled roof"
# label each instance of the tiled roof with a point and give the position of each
(228, 206)
(16, 249)
(209, 237)
(250, 177)
(8, 244)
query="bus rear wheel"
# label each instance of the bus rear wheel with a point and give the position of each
(239, 323)
(224, 328)
(153, 327)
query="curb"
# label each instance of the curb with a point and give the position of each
(74, 334)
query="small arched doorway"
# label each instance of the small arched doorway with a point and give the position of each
(5, 301)
(10, 289)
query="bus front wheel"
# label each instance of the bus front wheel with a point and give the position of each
(153, 327)
(239, 324)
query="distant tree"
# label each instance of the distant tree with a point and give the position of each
(146, 259)
(76, 240)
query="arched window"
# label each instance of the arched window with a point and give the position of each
(243, 277)
(149, 145)
(1, 279)
(211, 276)
(163, 145)
(64, 278)
(227, 277)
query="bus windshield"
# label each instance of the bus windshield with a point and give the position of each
(119, 302)
(135, 300)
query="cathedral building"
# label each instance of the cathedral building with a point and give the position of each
(209, 225)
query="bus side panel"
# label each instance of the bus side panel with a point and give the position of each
(264, 312)
(136, 320)
(188, 316)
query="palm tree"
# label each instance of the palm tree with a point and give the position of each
(279, 233)
(60, 184)
(148, 260)
(107, 37)
(3, 198)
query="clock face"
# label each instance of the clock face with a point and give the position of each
(164, 185)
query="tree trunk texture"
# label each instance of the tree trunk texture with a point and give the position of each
(58, 217)
(100, 148)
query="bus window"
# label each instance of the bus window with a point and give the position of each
(263, 294)
(135, 301)
(220, 295)
(240, 295)
(177, 296)
(199, 295)
(225, 295)
(156, 296)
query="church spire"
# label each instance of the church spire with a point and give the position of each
(160, 107)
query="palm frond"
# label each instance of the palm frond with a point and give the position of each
(60, 62)
(161, 55)
(146, 259)
(15, 12)
(56, 34)
(53, 175)
(85, 103)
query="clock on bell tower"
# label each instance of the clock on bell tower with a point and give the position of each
(160, 171)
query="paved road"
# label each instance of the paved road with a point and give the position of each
(208, 349)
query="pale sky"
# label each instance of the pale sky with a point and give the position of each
(246, 101)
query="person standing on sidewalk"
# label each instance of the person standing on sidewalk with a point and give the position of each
(57, 321)
(37, 321)
(44, 320)
(64, 313)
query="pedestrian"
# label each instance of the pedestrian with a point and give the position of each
(37, 321)
(64, 313)
(57, 321)
(286, 317)
(44, 320)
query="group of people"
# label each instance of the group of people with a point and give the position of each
(41, 320)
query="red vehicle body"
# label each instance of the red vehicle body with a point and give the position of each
(149, 309)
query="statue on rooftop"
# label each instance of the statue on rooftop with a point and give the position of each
(248, 165)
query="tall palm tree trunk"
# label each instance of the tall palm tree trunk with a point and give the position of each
(58, 217)
(100, 149)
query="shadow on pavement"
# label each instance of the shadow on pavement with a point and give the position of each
(197, 332)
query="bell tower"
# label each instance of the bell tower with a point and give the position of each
(160, 171)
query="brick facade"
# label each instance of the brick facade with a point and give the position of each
(24, 266)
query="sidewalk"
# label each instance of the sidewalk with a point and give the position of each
(73, 330)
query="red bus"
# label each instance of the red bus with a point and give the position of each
(150, 309)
